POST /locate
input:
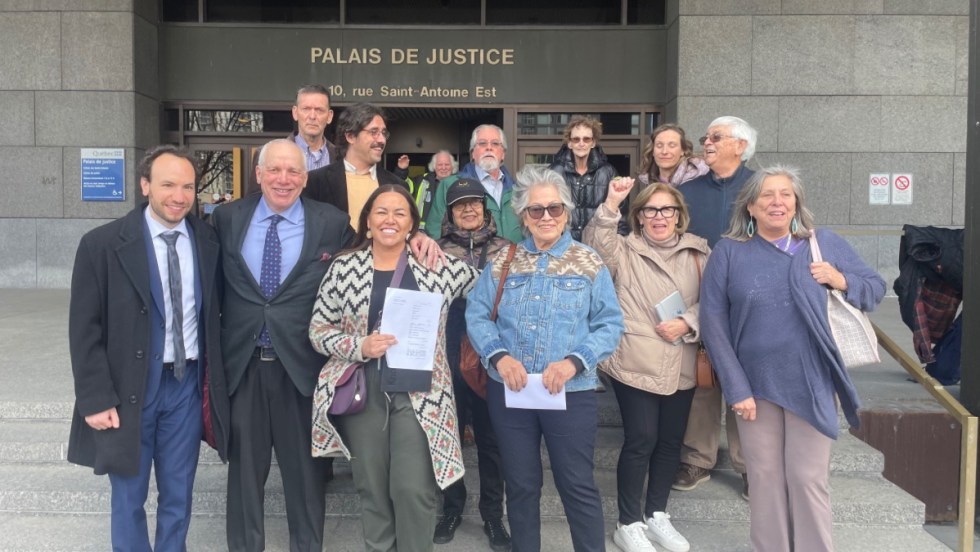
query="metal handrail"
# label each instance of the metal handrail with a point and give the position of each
(968, 435)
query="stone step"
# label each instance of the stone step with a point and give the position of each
(49, 488)
(38, 441)
(608, 409)
(90, 533)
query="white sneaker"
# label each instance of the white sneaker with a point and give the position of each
(660, 530)
(632, 538)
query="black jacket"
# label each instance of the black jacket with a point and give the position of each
(245, 308)
(116, 354)
(589, 189)
(930, 262)
(329, 184)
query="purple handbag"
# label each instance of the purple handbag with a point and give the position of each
(350, 394)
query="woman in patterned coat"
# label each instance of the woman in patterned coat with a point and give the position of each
(406, 423)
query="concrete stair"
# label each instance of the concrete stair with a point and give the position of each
(48, 504)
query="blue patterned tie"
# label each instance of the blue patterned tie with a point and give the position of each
(176, 303)
(271, 269)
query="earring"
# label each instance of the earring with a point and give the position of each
(368, 234)
(750, 228)
(793, 226)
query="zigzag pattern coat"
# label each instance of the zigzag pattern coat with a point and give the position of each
(338, 329)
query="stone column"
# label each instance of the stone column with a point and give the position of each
(73, 75)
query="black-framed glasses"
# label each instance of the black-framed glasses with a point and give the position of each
(537, 211)
(375, 132)
(714, 137)
(667, 211)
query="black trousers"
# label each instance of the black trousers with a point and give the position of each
(654, 427)
(470, 406)
(268, 412)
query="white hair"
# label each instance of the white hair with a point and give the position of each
(740, 130)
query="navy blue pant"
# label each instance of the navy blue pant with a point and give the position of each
(570, 437)
(170, 440)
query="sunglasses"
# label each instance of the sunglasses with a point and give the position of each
(536, 211)
(583, 139)
(715, 138)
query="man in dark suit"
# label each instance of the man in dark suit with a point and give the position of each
(276, 248)
(145, 345)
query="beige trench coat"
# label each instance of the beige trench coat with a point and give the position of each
(644, 276)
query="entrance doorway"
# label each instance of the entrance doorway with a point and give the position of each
(227, 138)
(623, 155)
(420, 132)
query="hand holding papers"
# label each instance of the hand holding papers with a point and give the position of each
(413, 318)
(534, 396)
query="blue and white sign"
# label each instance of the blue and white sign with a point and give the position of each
(103, 174)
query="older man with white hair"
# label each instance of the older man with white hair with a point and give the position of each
(441, 166)
(728, 144)
(488, 146)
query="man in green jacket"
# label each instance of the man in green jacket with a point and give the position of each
(487, 150)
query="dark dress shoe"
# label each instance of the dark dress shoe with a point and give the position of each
(497, 534)
(446, 529)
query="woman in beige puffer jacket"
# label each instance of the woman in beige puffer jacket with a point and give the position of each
(653, 369)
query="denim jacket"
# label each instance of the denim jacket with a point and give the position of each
(555, 303)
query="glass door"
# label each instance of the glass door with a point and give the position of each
(227, 172)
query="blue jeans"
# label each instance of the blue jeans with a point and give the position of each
(570, 437)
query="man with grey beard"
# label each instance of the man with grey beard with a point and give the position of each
(488, 146)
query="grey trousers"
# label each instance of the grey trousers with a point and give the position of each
(789, 468)
(704, 432)
(392, 469)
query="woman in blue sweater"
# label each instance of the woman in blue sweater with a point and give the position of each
(764, 321)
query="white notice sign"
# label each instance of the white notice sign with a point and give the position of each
(879, 185)
(902, 189)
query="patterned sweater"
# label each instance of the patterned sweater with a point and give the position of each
(338, 329)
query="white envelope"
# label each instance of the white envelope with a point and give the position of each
(534, 396)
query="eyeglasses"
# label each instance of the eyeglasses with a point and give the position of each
(375, 132)
(715, 138)
(490, 144)
(666, 212)
(583, 139)
(464, 204)
(536, 211)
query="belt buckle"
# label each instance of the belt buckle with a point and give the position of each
(267, 354)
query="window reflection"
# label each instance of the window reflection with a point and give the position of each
(553, 12)
(220, 177)
(417, 12)
(278, 11)
(420, 12)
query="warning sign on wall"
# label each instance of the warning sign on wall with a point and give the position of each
(901, 189)
(879, 186)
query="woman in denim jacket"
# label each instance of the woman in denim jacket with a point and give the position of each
(558, 317)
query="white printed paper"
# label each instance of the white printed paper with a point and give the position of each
(413, 318)
(534, 396)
